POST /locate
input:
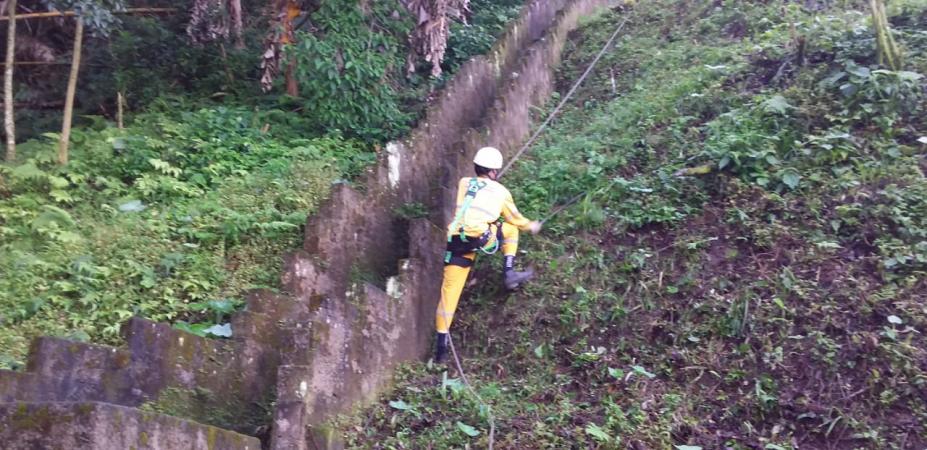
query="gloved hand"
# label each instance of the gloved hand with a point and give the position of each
(534, 227)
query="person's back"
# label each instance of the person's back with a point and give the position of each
(491, 201)
(485, 220)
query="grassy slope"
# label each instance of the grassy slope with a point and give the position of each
(777, 303)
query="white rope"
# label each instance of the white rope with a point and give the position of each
(463, 376)
(565, 98)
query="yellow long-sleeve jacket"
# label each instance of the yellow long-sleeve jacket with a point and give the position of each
(490, 203)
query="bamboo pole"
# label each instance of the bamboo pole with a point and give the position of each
(54, 14)
(35, 105)
(120, 101)
(888, 51)
(36, 63)
(9, 120)
(69, 98)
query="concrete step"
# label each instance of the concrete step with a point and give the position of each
(224, 382)
(113, 387)
(104, 426)
(50, 356)
(63, 370)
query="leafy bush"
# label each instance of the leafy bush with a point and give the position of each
(880, 96)
(752, 142)
(156, 220)
(475, 37)
(350, 69)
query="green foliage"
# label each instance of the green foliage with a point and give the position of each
(880, 96)
(898, 216)
(142, 56)
(475, 37)
(147, 58)
(98, 15)
(753, 141)
(351, 67)
(171, 219)
(450, 408)
(412, 210)
(349, 70)
(217, 326)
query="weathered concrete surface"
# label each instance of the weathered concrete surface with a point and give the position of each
(101, 426)
(357, 332)
(231, 381)
(352, 344)
(347, 233)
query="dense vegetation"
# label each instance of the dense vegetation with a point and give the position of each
(350, 66)
(195, 201)
(746, 268)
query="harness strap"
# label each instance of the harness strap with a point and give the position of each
(472, 189)
(482, 243)
(492, 247)
(457, 260)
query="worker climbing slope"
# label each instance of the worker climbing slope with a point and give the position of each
(485, 220)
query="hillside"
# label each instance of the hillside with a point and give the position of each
(746, 268)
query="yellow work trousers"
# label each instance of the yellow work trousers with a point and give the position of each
(455, 277)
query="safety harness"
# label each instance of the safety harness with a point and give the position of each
(459, 244)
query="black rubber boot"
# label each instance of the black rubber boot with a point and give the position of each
(440, 348)
(512, 278)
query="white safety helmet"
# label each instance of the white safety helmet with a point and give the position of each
(488, 157)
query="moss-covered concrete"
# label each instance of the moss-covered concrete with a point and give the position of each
(101, 426)
(205, 406)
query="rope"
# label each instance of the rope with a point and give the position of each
(565, 98)
(524, 148)
(562, 207)
(575, 199)
(463, 376)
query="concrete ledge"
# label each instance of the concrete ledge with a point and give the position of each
(92, 425)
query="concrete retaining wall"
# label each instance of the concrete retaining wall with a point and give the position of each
(360, 331)
(360, 296)
(226, 383)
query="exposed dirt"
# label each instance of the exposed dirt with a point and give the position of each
(830, 306)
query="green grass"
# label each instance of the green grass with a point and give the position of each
(157, 220)
(774, 301)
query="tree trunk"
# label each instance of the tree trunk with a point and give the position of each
(237, 25)
(8, 118)
(292, 86)
(292, 12)
(889, 53)
(69, 98)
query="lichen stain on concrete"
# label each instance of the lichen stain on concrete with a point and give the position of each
(394, 288)
(394, 158)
